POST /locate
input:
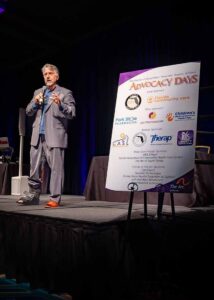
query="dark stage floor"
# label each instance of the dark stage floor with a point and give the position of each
(86, 248)
(76, 208)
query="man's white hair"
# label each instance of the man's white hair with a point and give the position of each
(50, 66)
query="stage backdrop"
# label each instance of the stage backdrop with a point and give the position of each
(154, 130)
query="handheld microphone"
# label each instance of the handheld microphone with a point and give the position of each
(41, 99)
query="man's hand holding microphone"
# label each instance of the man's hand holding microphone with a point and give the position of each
(39, 98)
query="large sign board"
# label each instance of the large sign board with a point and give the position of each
(154, 130)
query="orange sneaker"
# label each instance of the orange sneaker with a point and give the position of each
(52, 204)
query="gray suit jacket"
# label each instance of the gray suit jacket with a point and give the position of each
(56, 120)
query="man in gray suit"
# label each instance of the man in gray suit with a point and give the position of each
(52, 106)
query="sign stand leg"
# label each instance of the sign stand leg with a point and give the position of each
(145, 205)
(172, 204)
(130, 206)
(160, 205)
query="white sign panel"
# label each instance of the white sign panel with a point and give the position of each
(154, 130)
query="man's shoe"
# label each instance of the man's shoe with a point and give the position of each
(29, 199)
(52, 204)
(25, 193)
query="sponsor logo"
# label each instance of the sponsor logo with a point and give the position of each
(182, 181)
(126, 120)
(180, 185)
(133, 186)
(185, 137)
(122, 141)
(133, 101)
(152, 115)
(160, 139)
(169, 117)
(180, 116)
(139, 139)
(185, 115)
(165, 98)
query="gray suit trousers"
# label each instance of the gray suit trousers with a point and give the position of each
(55, 160)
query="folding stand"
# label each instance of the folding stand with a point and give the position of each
(159, 208)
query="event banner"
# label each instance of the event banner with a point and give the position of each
(154, 130)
